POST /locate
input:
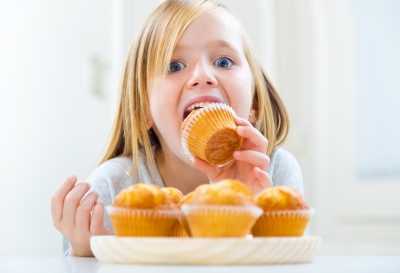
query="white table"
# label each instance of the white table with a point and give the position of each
(334, 264)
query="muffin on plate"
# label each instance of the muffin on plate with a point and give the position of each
(285, 213)
(222, 209)
(209, 133)
(175, 196)
(144, 210)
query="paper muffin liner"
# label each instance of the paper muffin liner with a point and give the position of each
(181, 228)
(220, 221)
(282, 223)
(143, 222)
(210, 134)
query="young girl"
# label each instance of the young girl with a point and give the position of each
(188, 52)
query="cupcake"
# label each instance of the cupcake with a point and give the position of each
(223, 209)
(179, 229)
(144, 210)
(285, 212)
(182, 227)
(209, 133)
(175, 197)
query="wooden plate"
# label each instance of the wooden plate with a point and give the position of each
(228, 251)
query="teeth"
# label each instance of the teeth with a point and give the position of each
(198, 104)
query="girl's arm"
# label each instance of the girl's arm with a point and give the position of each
(285, 170)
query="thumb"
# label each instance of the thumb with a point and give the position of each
(97, 221)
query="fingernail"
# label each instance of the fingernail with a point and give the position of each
(72, 178)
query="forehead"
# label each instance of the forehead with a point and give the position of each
(215, 28)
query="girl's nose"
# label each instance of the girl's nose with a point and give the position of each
(202, 75)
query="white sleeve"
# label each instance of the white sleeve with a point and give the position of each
(285, 170)
(108, 179)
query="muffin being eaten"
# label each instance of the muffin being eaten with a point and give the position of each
(209, 133)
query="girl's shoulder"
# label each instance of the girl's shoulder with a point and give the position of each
(115, 166)
(281, 155)
(110, 177)
(118, 172)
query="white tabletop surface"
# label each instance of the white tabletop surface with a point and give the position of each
(22, 264)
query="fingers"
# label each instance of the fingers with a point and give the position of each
(97, 221)
(263, 178)
(82, 217)
(71, 204)
(259, 180)
(242, 121)
(255, 158)
(210, 171)
(247, 131)
(57, 201)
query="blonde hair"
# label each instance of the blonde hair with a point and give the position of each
(150, 56)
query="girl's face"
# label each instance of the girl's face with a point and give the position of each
(208, 65)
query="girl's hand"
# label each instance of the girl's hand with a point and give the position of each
(250, 163)
(76, 217)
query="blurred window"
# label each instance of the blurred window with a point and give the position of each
(378, 89)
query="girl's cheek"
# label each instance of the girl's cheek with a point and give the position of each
(241, 96)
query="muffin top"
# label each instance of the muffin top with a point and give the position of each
(187, 199)
(280, 198)
(225, 192)
(142, 196)
(173, 195)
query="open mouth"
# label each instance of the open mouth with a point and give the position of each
(187, 112)
(194, 107)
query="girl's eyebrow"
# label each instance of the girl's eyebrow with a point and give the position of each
(221, 43)
(211, 44)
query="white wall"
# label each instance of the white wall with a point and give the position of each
(378, 87)
(52, 126)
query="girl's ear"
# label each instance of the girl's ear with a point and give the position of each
(253, 117)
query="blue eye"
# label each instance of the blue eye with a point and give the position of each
(175, 66)
(224, 62)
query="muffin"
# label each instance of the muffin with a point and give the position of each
(182, 229)
(175, 197)
(223, 209)
(209, 133)
(144, 210)
(285, 213)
